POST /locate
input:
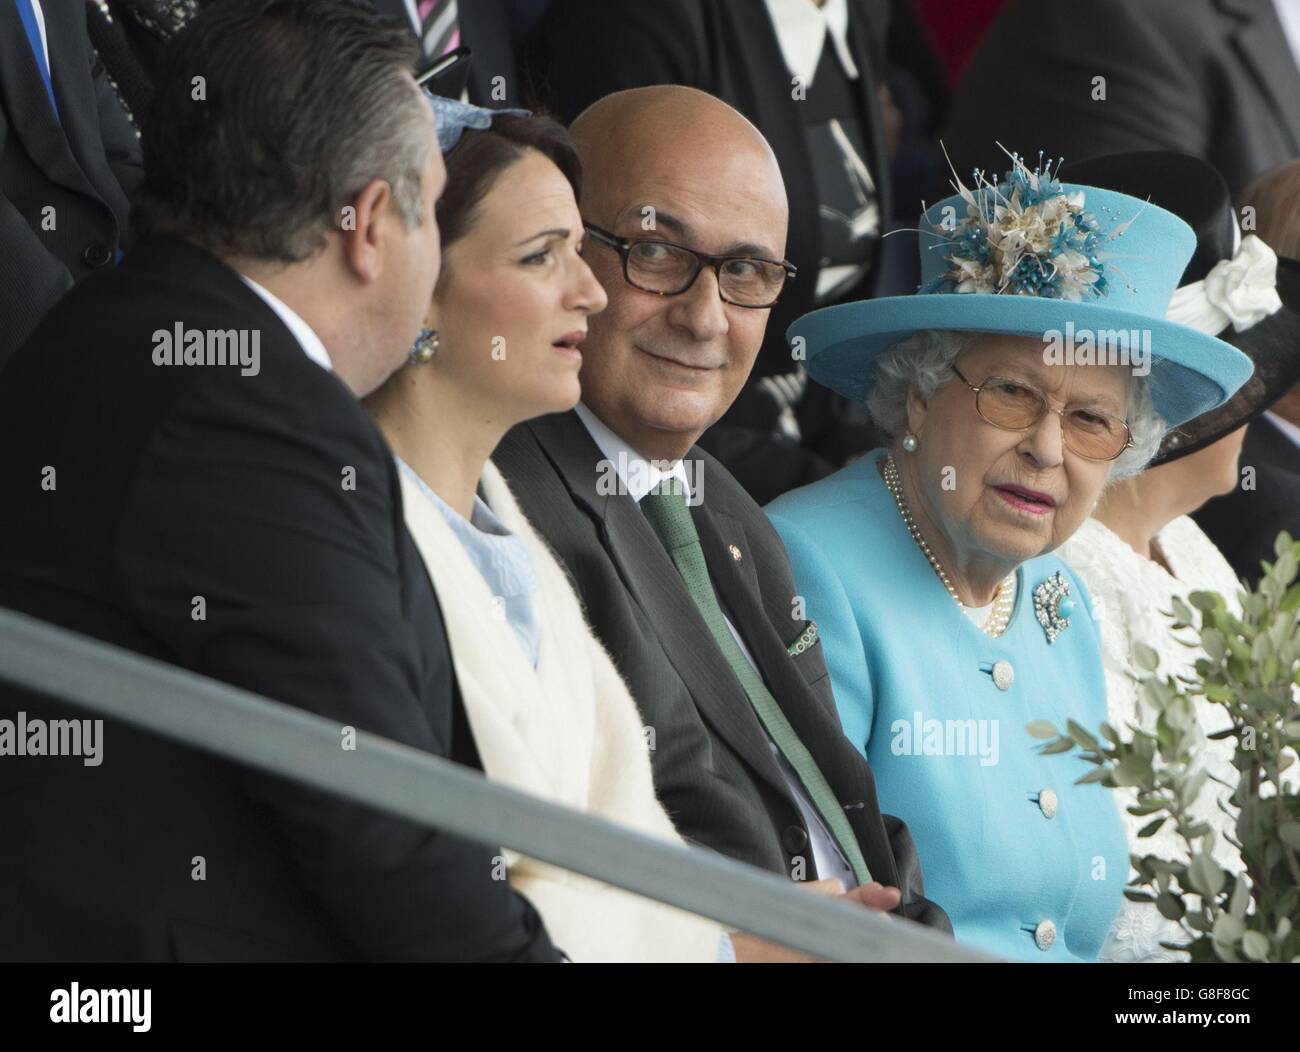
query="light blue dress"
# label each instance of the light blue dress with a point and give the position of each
(1027, 864)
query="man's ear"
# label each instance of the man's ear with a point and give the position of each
(917, 408)
(371, 223)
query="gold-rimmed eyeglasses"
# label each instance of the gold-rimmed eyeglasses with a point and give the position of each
(1014, 405)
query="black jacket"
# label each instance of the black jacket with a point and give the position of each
(1213, 78)
(1244, 524)
(713, 765)
(64, 182)
(209, 519)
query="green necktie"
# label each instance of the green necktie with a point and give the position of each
(665, 507)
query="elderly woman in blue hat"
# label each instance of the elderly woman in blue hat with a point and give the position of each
(1034, 366)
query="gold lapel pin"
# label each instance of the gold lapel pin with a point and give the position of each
(735, 552)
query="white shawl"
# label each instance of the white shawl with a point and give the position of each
(567, 731)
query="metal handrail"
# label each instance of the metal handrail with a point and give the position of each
(257, 732)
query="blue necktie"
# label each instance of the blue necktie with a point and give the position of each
(28, 15)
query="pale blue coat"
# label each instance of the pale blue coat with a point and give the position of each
(900, 653)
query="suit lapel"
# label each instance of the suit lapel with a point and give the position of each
(78, 111)
(816, 724)
(655, 585)
(722, 537)
(738, 585)
(1262, 48)
(34, 124)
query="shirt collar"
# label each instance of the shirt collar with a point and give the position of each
(801, 27)
(636, 475)
(302, 332)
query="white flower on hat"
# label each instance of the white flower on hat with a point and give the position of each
(1245, 287)
(1240, 291)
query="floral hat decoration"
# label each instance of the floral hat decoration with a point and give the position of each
(1025, 236)
(1030, 255)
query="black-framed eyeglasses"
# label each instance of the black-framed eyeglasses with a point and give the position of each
(669, 269)
(1014, 405)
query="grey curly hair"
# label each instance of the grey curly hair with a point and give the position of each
(926, 358)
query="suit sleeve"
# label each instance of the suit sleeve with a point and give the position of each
(244, 552)
(1048, 56)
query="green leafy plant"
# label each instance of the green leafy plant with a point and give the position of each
(1251, 667)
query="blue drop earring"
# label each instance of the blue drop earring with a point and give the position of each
(425, 347)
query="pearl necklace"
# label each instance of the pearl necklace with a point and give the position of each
(1000, 616)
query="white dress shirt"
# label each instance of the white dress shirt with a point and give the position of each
(801, 30)
(40, 26)
(1288, 13)
(637, 477)
(302, 332)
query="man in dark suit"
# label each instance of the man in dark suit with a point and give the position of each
(69, 159)
(683, 577)
(188, 474)
(1217, 79)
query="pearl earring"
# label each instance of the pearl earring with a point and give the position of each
(910, 443)
(425, 347)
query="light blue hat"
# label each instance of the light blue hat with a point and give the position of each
(1031, 256)
(452, 117)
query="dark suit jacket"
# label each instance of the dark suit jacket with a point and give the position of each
(83, 164)
(713, 764)
(1213, 78)
(1245, 523)
(173, 483)
(584, 49)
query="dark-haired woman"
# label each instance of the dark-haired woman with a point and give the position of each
(549, 713)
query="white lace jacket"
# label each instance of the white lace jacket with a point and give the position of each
(1131, 595)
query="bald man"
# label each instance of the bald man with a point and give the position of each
(682, 576)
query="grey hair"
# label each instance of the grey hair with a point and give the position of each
(393, 143)
(925, 359)
(303, 104)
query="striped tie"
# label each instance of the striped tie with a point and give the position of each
(439, 27)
